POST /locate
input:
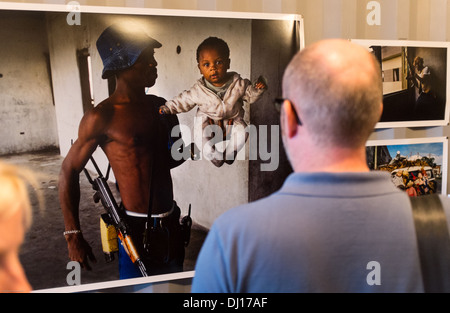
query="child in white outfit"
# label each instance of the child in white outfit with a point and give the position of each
(219, 96)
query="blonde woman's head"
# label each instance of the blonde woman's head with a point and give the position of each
(15, 220)
(14, 191)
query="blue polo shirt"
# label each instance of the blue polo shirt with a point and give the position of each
(321, 232)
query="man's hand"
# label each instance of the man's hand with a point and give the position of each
(80, 251)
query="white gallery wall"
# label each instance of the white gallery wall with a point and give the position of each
(399, 19)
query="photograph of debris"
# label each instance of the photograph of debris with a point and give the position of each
(417, 166)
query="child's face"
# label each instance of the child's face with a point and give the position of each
(213, 66)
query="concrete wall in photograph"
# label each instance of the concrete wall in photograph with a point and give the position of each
(27, 112)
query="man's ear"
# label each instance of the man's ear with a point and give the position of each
(288, 119)
(381, 110)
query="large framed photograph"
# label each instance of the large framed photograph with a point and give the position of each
(415, 82)
(51, 76)
(416, 166)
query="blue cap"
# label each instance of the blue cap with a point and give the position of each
(120, 45)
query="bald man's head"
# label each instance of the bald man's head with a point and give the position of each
(337, 89)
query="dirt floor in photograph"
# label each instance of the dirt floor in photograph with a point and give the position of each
(44, 252)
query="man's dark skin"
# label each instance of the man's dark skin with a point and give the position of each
(126, 128)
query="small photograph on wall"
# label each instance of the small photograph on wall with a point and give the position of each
(415, 82)
(416, 166)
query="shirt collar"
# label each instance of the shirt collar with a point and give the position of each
(339, 184)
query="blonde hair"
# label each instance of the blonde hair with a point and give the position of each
(14, 196)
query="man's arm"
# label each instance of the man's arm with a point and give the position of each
(89, 136)
(169, 121)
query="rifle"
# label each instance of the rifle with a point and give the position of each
(115, 214)
(411, 72)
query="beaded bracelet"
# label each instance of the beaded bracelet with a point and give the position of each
(68, 232)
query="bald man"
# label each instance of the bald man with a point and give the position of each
(334, 226)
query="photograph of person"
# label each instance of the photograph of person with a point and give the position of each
(415, 84)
